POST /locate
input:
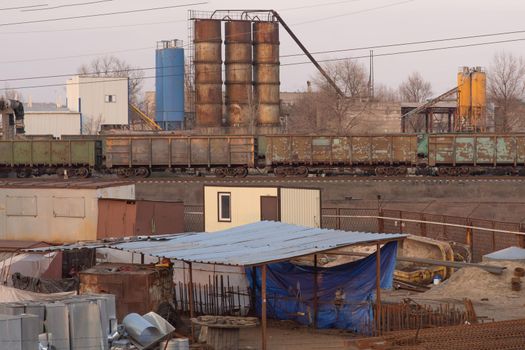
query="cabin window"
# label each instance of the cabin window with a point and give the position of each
(224, 200)
(110, 98)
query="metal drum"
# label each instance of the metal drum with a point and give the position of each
(208, 73)
(238, 62)
(266, 72)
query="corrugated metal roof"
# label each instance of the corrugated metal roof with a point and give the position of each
(253, 244)
(7, 245)
(248, 245)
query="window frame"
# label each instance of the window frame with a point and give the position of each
(110, 98)
(220, 217)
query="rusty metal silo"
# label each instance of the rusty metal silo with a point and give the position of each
(238, 62)
(208, 72)
(266, 72)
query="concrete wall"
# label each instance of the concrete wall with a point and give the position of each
(52, 123)
(504, 199)
(92, 93)
(245, 206)
(54, 214)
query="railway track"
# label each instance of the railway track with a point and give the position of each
(336, 179)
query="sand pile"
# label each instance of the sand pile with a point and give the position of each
(476, 284)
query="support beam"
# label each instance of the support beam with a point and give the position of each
(309, 55)
(190, 297)
(263, 308)
(378, 288)
(316, 290)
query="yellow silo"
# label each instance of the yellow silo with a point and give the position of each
(472, 99)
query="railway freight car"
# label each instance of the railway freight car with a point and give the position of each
(221, 155)
(464, 154)
(38, 157)
(370, 154)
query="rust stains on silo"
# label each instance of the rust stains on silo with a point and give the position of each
(238, 62)
(208, 72)
(266, 72)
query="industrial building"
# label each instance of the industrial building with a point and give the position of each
(55, 211)
(51, 119)
(231, 206)
(99, 100)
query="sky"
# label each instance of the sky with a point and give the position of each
(59, 47)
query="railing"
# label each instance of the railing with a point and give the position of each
(218, 297)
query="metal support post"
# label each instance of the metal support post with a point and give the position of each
(378, 287)
(263, 307)
(316, 289)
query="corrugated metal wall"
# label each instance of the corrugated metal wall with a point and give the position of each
(300, 206)
(56, 124)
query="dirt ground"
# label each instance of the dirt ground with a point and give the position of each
(491, 294)
(287, 336)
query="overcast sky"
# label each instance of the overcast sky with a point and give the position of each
(58, 48)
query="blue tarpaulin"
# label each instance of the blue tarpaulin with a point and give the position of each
(345, 292)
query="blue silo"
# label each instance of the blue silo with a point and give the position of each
(169, 84)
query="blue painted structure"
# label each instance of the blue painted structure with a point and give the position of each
(169, 84)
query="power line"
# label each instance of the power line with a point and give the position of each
(77, 56)
(102, 14)
(355, 12)
(477, 36)
(410, 51)
(295, 55)
(22, 7)
(93, 28)
(65, 5)
(318, 5)
(292, 63)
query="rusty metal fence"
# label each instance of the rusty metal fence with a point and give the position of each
(483, 236)
(193, 218)
(217, 298)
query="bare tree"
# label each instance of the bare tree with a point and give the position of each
(351, 77)
(11, 94)
(91, 126)
(506, 89)
(385, 93)
(415, 88)
(111, 66)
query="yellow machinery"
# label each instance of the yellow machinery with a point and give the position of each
(472, 100)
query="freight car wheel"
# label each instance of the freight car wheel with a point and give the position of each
(23, 173)
(82, 172)
(241, 172)
(280, 171)
(142, 172)
(220, 172)
(301, 171)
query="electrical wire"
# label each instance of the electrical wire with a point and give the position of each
(354, 12)
(65, 5)
(287, 64)
(102, 14)
(94, 28)
(22, 7)
(282, 64)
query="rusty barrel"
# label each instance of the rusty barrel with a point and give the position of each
(238, 62)
(266, 72)
(208, 72)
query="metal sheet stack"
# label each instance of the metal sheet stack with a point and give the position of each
(79, 322)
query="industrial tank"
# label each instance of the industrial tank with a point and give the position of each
(208, 72)
(472, 101)
(169, 84)
(238, 62)
(266, 72)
